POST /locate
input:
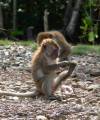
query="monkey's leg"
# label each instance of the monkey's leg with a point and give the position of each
(47, 87)
(63, 75)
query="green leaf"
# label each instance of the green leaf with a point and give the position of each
(91, 36)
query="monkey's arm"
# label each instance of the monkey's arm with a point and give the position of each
(62, 64)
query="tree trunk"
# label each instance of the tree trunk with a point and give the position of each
(1, 18)
(45, 17)
(68, 10)
(71, 18)
(75, 15)
(14, 14)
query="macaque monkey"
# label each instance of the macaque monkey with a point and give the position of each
(44, 66)
(65, 47)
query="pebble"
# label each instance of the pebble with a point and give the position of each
(41, 117)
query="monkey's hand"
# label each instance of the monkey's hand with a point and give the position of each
(57, 65)
(71, 68)
(64, 63)
(60, 64)
(73, 64)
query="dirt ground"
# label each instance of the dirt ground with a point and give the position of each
(80, 94)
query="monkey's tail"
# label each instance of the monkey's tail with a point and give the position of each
(27, 94)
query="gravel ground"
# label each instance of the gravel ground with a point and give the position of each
(80, 93)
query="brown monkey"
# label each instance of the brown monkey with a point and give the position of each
(65, 47)
(44, 65)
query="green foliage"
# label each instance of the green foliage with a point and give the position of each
(17, 32)
(89, 26)
(31, 12)
(91, 36)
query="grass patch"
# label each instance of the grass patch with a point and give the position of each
(25, 43)
(5, 42)
(30, 43)
(85, 49)
(9, 42)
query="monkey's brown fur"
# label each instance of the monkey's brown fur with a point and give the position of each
(44, 66)
(40, 62)
(65, 47)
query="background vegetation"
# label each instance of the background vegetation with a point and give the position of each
(17, 15)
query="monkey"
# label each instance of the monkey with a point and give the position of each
(65, 47)
(44, 65)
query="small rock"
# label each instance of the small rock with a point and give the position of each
(15, 98)
(67, 89)
(93, 87)
(6, 53)
(18, 83)
(41, 117)
(1, 47)
(16, 64)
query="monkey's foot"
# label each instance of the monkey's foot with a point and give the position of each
(53, 97)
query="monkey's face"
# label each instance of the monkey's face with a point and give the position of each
(51, 49)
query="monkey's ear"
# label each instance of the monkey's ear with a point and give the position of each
(43, 35)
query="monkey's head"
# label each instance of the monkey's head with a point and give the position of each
(43, 35)
(50, 48)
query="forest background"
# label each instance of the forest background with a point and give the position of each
(78, 20)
